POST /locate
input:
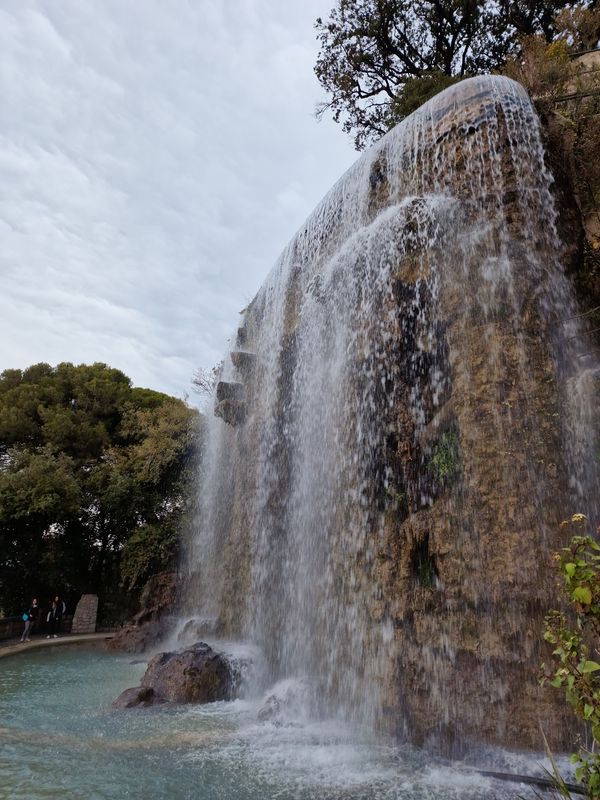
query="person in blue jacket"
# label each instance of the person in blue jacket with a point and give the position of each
(30, 618)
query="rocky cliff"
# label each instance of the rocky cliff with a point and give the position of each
(406, 417)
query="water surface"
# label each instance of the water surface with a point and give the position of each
(59, 738)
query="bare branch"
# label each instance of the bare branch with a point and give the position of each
(204, 381)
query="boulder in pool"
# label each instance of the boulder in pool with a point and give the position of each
(138, 696)
(196, 675)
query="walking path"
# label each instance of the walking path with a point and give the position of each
(11, 648)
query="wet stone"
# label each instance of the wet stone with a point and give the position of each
(233, 412)
(227, 390)
(244, 361)
(196, 675)
(138, 696)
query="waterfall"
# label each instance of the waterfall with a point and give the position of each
(406, 416)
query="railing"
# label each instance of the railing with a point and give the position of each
(578, 53)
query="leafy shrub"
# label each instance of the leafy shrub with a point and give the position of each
(573, 668)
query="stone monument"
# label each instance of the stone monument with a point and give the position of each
(84, 619)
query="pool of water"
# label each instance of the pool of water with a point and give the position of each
(59, 738)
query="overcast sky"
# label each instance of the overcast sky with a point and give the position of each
(155, 158)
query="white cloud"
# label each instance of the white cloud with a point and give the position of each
(155, 158)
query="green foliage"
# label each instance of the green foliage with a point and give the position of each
(541, 67)
(371, 50)
(417, 91)
(38, 484)
(574, 669)
(88, 464)
(566, 92)
(148, 550)
(444, 461)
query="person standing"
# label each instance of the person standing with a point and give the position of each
(50, 620)
(32, 618)
(58, 610)
(55, 616)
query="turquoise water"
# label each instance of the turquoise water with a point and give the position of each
(59, 738)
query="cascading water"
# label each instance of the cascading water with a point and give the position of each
(407, 416)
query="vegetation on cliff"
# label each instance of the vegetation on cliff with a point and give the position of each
(565, 88)
(94, 479)
(381, 59)
(574, 668)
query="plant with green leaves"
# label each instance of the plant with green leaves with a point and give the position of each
(576, 660)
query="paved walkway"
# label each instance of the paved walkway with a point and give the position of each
(11, 648)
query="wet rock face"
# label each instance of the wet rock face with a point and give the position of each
(230, 405)
(233, 412)
(159, 596)
(152, 622)
(244, 361)
(229, 391)
(286, 704)
(139, 638)
(196, 675)
(195, 630)
(270, 710)
(402, 465)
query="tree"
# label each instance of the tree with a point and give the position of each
(88, 463)
(373, 51)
